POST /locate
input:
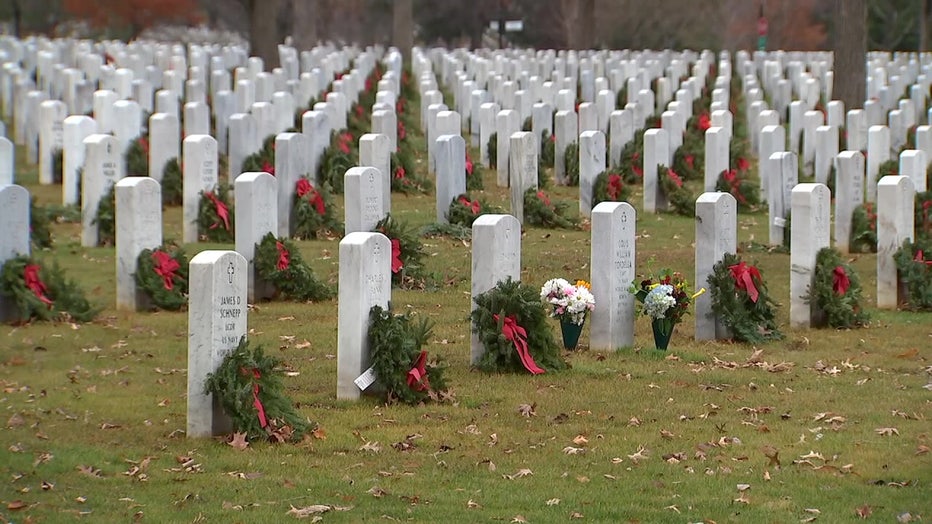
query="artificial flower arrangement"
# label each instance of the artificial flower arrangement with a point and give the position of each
(665, 300)
(571, 302)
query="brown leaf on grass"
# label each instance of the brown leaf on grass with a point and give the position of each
(374, 447)
(524, 472)
(570, 450)
(472, 504)
(553, 502)
(887, 432)
(863, 511)
(638, 455)
(580, 440)
(576, 515)
(107, 425)
(15, 505)
(666, 435)
(634, 421)
(377, 492)
(314, 509)
(519, 519)
(909, 354)
(528, 410)
(922, 449)
(15, 421)
(90, 471)
(319, 434)
(238, 441)
(772, 454)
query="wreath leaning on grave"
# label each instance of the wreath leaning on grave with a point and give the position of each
(678, 196)
(740, 299)
(511, 324)
(540, 211)
(105, 219)
(473, 175)
(162, 274)
(836, 290)
(923, 215)
(914, 267)
(172, 190)
(248, 385)
(401, 367)
(571, 164)
(610, 186)
(314, 212)
(215, 215)
(279, 263)
(407, 252)
(43, 293)
(262, 160)
(863, 237)
(738, 183)
(464, 210)
(39, 232)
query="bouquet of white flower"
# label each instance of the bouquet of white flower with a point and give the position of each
(571, 302)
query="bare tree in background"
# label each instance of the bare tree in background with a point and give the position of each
(304, 26)
(403, 27)
(850, 46)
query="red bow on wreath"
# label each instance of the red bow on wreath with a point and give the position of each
(469, 167)
(920, 257)
(256, 403)
(614, 186)
(303, 187)
(744, 276)
(734, 184)
(35, 284)
(840, 280)
(268, 167)
(221, 209)
(517, 335)
(543, 198)
(283, 256)
(397, 264)
(165, 267)
(472, 206)
(417, 376)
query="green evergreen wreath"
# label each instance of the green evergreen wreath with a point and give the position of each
(279, 262)
(58, 166)
(678, 196)
(39, 220)
(402, 373)
(172, 190)
(215, 215)
(689, 159)
(914, 267)
(404, 176)
(137, 157)
(511, 298)
(473, 175)
(43, 293)
(632, 162)
(162, 274)
(407, 252)
(836, 291)
(463, 210)
(610, 186)
(749, 321)
(739, 185)
(571, 164)
(314, 211)
(262, 160)
(863, 237)
(923, 215)
(548, 148)
(336, 160)
(492, 149)
(888, 168)
(540, 211)
(106, 218)
(248, 378)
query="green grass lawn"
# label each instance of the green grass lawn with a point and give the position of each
(822, 425)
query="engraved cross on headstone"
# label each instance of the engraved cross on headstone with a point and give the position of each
(230, 271)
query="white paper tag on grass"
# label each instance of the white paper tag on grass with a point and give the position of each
(365, 380)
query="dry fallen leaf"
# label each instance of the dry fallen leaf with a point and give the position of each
(371, 446)
(238, 441)
(520, 473)
(519, 519)
(580, 440)
(314, 509)
(887, 432)
(15, 505)
(570, 450)
(553, 502)
(528, 410)
(377, 492)
(864, 511)
(471, 504)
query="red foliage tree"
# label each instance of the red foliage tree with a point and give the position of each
(133, 14)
